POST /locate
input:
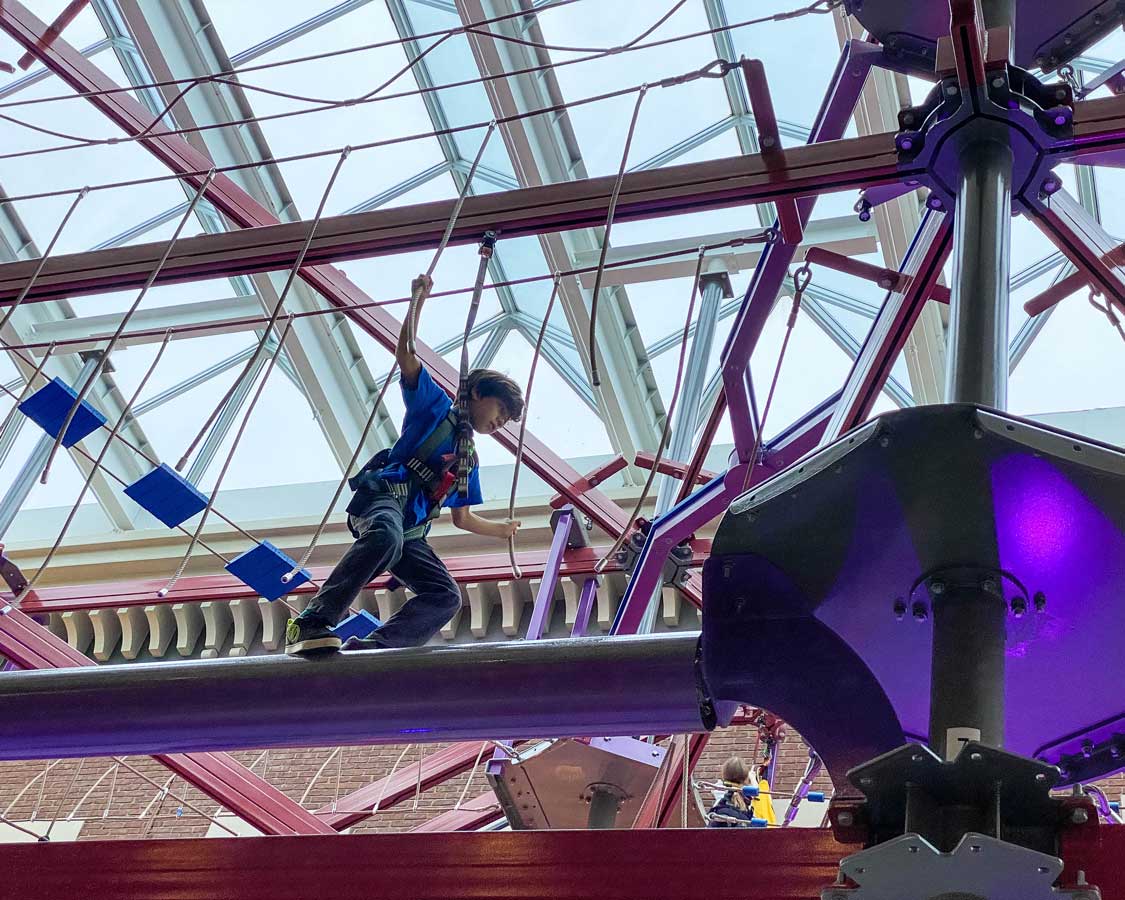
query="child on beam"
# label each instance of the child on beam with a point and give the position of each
(398, 494)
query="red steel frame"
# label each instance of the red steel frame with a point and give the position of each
(29, 646)
(789, 178)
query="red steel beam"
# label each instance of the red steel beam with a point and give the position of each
(891, 329)
(888, 279)
(1082, 240)
(387, 792)
(663, 799)
(788, 864)
(675, 469)
(591, 479)
(218, 775)
(69, 14)
(474, 813)
(264, 245)
(465, 569)
(176, 153)
(769, 138)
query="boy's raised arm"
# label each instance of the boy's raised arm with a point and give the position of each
(407, 362)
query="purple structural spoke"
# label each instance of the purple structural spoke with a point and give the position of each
(585, 606)
(832, 119)
(855, 62)
(544, 600)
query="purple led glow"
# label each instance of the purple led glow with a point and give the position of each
(1055, 539)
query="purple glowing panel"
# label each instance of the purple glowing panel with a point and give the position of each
(845, 538)
(1058, 541)
(897, 650)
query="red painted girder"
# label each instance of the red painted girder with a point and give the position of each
(663, 800)
(888, 279)
(672, 467)
(786, 864)
(219, 775)
(591, 479)
(474, 813)
(769, 139)
(436, 768)
(1084, 242)
(193, 588)
(175, 152)
(669, 864)
(889, 335)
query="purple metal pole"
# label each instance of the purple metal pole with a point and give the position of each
(705, 504)
(585, 606)
(544, 600)
(773, 265)
(527, 689)
(855, 62)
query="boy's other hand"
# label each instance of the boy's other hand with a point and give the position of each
(511, 526)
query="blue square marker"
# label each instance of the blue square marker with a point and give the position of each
(48, 408)
(169, 496)
(359, 625)
(261, 567)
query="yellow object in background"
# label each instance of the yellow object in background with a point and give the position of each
(761, 807)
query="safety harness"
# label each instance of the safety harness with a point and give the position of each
(435, 483)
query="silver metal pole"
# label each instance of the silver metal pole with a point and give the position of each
(967, 668)
(978, 328)
(714, 287)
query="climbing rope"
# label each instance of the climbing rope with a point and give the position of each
(801, 279)
(516, 572)
(43, 259)
(375, 95)
(163, 592)
(465, 450)
(275, 313)
(415, 296)
(607, 229)
(103, 358)
(667, 430)
(27, 387)
(419, 290)
(126, 415)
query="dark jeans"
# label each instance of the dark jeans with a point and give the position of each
(379, 547)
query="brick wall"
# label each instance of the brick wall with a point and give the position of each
(292, 771)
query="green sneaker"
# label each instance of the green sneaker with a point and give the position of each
(305, 636)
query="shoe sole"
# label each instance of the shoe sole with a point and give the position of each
(313, 645)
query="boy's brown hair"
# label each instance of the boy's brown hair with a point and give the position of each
(490, 383)
(735, 770)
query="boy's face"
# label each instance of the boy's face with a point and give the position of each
(487, 414)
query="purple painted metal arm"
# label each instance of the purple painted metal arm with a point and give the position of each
(571, 687)
(773, 265)
(585, 606)
(708, 502)
(856, 60)
(544, 600)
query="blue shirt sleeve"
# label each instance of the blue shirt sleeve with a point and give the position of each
(473, 498)
(425, 396)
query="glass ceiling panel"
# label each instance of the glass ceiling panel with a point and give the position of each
(815, 366)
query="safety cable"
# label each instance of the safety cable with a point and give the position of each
(274, 314)
(599, 567)
(516, 572)
(801, 279)
(103, 357)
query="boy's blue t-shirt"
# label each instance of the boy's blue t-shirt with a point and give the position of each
(426, 405)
